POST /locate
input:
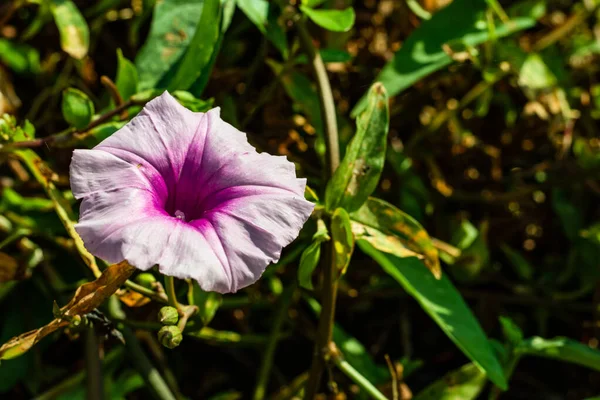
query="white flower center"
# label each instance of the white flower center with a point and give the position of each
(180, 215)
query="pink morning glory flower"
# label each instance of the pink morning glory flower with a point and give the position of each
(187, 192)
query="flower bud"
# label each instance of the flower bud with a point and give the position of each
(168, 315)
(146, 279)
(170, 336)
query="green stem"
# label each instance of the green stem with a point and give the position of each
(159, 297)
(148, 371)
(328, 268)
(93, 365)
(357, 378)
(170, 289)
(267, 363)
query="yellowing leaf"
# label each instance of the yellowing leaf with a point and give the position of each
(392, 231)
(74, 32)
(87, 297)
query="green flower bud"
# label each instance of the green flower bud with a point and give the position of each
(170, 336)
(168, 315)
(146, 279)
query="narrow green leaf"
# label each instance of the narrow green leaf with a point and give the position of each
(199, 52)
(512, 333)
(312, 3)
(343, 239)
(444, 304)
(462, 22)
(520, 264)
(464, 383)
(311, 255)
(308, 262)
(358, 174)
(127, 77)
(392, 231)
(19, 57)
(207, 302)
(263, 14)
(77, 108)
(74, 32)
(563, 349)
(333, 20)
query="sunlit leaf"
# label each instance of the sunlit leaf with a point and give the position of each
(358, 174)
(311, 255)
(207, 302)
(463, 22)
(333, 20)
(464, 383)
(74, 32)
(127, 76)
(444, 304)
(77, 108)
(173, 25)
(87, 297)
(263, 14)
(200, 49)
(343, 239)
(392, 231)
(562, 349)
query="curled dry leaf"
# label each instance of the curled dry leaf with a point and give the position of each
(87, 297)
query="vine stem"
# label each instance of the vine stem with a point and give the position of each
(170, 289)
(328, 268)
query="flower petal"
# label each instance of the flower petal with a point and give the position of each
(98, 171)
(254, 227)
(160, 135)
(179, 249)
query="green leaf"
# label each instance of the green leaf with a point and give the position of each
(563, 349)
(519, 263)
(189, 101)
(77, 108)
(173, 24)
(343, 239)
(462, 22)
(200, 49)
(263, 14)
(535, 74)
(333, 20)
(97, 134)
(392, 231)
(444, 304)
(358, 174)
(19, 57)
(328, 56)
(465, 383)
(74, 32)
(311, 255)
(208, 302)
(312, 3)
(127, 77)
(512, 333)
(308, 262)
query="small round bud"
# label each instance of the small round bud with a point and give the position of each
(168, 315)
(146, 279)
(170, 336)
